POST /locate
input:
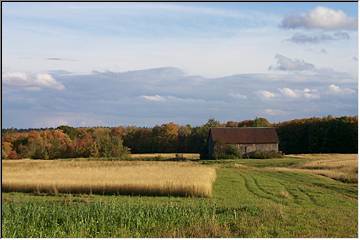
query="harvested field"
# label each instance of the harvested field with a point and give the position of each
(125, 177)
(342, 167)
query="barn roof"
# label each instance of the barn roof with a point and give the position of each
(244, 135)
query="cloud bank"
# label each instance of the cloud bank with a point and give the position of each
(154, 96)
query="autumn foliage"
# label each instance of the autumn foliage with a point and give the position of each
(312, 135)
(63, 142)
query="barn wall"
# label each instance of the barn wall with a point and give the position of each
(246, 148)
(210, 147)
(258, 147)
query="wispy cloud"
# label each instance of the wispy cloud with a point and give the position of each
(323, 50)
(59, 59)
(266, 94)
(274, 112)
(54, 59)
(154, 98)
(302, 38)
(237, 95)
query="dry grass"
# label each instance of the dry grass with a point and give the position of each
(124, 177)
(327, 157)
(343, 167)
(192, 156)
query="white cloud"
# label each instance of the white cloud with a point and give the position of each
(237, 95)
(288, 92)
(154, 98)
(31, 81)
(175, 99)
(311, 93)
(46, 80)
(334, 89)
(287, 64)
(266, 94)
(320, 18)
(296, 93)
(274, 112)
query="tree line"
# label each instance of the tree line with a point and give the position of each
(319, 135)
(312, 135)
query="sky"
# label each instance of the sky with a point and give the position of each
(110, 64)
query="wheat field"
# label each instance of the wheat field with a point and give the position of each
(98, 177)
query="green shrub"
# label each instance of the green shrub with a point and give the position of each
(226, 151)
(263, 154)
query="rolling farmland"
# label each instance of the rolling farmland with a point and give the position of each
(250, 198)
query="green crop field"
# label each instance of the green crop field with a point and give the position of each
(251, 198)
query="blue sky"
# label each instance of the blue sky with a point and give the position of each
(87, 64)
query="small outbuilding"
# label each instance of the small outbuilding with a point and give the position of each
(245, 139)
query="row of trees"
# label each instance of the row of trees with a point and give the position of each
(63, 142)
(319, 135)
(311, 135)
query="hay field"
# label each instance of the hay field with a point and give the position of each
(342, 167)
(190, 156)
(125, 177)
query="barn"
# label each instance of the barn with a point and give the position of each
(246, 139)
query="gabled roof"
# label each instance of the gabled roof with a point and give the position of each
(244, 135)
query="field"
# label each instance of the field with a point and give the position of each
(342, 167)
(145, 156)
(115, 177)
(285, 197)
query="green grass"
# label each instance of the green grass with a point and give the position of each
(249, 202)
(259, 163)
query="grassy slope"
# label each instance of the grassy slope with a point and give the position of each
(248, 201)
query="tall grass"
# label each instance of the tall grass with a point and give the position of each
(137, 178)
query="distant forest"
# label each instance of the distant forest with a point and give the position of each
(311, 135)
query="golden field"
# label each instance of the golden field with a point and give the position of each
(343, 167)
(105, 177)
(190, 156)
